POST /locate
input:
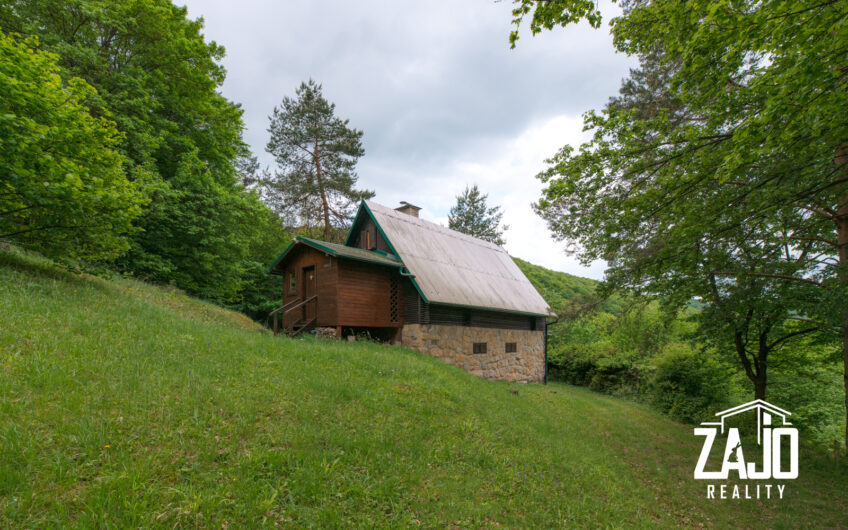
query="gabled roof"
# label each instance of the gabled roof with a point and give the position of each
(452, 268)
(340, 251)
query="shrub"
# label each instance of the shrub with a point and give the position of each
(687, 385)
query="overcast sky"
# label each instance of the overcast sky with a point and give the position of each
(443, 101)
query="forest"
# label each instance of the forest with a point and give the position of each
(714, 185)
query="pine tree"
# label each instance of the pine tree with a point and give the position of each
(474, 217)
(316, 153)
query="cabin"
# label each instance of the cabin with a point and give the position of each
(401, 279)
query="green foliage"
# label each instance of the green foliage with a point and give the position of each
(198, 235)
(147, 408)
(158, 79)
(565, 292)
(722, 177)
(688, 385)
(552, 13)
(613, 354)
(62, 186)
(668, 361)
(153, 71)
(261, 292)
(317, 154)
(471, 215)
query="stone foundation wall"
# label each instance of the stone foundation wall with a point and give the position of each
(454, 344)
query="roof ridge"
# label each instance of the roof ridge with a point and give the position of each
(447, 231)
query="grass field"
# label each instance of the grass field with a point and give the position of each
(127, 405)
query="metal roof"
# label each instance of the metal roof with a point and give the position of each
(341, 251)
(453, 268)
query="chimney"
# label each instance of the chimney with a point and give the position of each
(408, 209)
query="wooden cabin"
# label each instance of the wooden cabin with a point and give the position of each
(400, 279)
(335, 286)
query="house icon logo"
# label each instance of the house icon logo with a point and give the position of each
(777, 440)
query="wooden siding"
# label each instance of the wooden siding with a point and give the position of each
(418, 312)
(413, 305)
(421, 313)
(365, 295)
(365, 225)
(358, 294)
(327, 280)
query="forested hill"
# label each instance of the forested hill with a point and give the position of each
(557, 288)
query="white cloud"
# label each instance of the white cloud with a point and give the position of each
(508, 179)
(442, 99)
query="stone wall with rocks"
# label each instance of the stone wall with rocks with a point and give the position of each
(454, 344)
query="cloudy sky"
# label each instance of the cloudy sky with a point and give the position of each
(442, 100)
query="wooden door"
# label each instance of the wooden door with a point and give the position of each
(309, 290)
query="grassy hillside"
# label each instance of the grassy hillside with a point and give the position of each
(127, 405)
(559, 287)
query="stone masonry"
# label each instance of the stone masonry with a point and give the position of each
(454, 344)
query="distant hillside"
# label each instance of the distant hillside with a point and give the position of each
(125, 405)
(558, 287)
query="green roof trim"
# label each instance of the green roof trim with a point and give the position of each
(364, 206)
(341, 251)
(286, 251)
(360, 254)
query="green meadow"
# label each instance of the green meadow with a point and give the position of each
(128, 405)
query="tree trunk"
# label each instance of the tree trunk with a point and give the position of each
(760, 388)
(756, 372)
(761, 363)
(842, 241)
(324, 205)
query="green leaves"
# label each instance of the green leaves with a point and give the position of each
(552, 13)
(712, 175)
(172, 135)
(62, 186)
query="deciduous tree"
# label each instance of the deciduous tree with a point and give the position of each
(63, 189)
(158, 78)
(756, 152)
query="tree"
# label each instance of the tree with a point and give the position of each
(158, 78)
(198, 234)
(316, 153)
(62, 185)
(760, 152)
(154, 73)
(471, 215)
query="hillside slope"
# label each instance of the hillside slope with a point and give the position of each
(127, 405)
(559, 287)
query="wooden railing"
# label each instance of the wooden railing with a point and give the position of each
(275, 314)
(279, 316)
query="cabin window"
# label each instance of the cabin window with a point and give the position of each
(292, 283)
(368, 239)
(479, 347)
(511, 347)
